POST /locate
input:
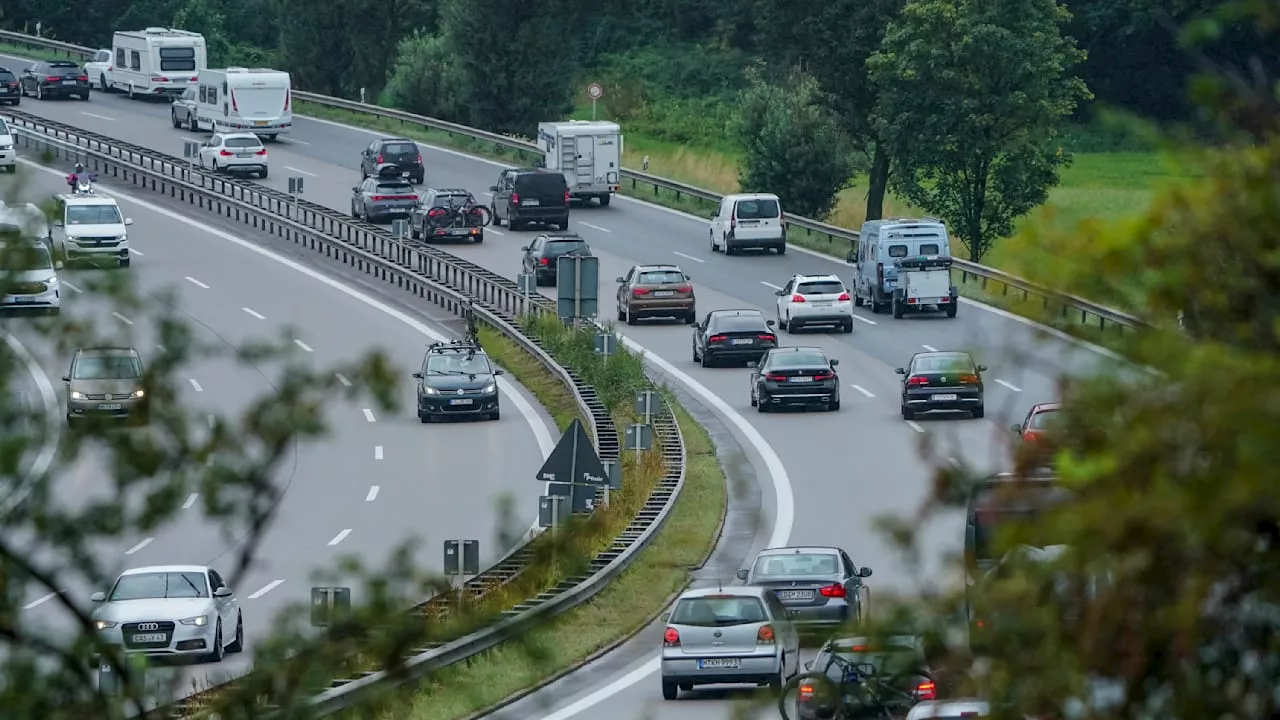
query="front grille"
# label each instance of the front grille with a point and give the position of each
(147, 628)
(97, 241)
(28, 288)
(108, 396)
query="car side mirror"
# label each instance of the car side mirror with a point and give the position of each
(222, 592)
(619, 279)
(864, 572)
(128, 221)
(1017, 429)
(493, 188)
(66, 378)
(900, 371)
(526, 248)
(417, 376)
(665, 617)
(769, 323)
(499, 372)
(982, 368)
(834, 362)
(742, 574)
(779, 293)
(57, 265)
(808, 665)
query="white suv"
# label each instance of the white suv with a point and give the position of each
(92, 228)
(8, 153)
(814, 300)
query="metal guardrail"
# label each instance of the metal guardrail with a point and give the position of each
(437, 277)
(969, 272)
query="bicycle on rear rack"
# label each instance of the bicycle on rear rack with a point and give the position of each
(862, 692)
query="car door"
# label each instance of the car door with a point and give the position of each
(226, 606)
(209, 149)
(501, 192)
(756, 371)
(624, 288)
(786, 633)
(366, 159)
(784, 298)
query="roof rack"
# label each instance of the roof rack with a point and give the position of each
(457, 345)
(923, 262)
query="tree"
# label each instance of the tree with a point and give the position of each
(832, 41)
(792, 145)
(426, 79)
(973, 97)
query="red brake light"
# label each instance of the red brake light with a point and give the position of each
(685, 288)
(543, 261)
(797, 298)
(234, 107)
(263, 151)
(225, 153)
(833, 591)
(515, 198)
(83, 78)
(968, 379)
(435, 212)
(764, 636)
(1030, 436)
(716, 338)
(926, 691)
(566, 197)
(637, 292)
(378, 160)
(858, 648)
(767, 338)
(159, 79)
(805, 692)
(844, 297)
(287, 94)
(377, 198)
(917, 380)
(671, 637)
(824, 376)
(776, 377)
(419, 158)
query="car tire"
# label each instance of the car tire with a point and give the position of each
(754, 402)
(84, 97)
(980, 412)
(215, 167)
(493, 214)
(670, 690)
(424, 418)
(781, 249)
(124, 263)
(237, 645)
(953, 307)
(495, 415)
(899, 309)
(102, 83)
(173, 118)
(691, 317)
(622, 316)
(857, 300)
(848, 327)
(780, 681)
(762, 405)
(39, 92)
(907, 414)
(706, 359)
(192, 125)
(218, 652)
(712, 237)
(263, 174)
(834, 405)
(631, 317)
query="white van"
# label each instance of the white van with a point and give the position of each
(749, 221)
(153, 62)
(256, 100)
(885, 252)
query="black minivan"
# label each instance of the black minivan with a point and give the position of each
(524, 197)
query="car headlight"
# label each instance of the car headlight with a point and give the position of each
(428, 390)
(199, 621)
(139, 393)
(6, 147)
(104, 624)
(77, 395)
(491, 387)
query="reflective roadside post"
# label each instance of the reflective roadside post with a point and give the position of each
(190, 151)
(461, 560)
(295, 190)
(400, 229)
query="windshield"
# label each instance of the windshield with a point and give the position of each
(996, 508)
(457, 364)
(4, 129)
(26, 257)
(943, 363)
(244, 142)
(795, 564)
(1042, 419)
(757, 209)
(93, 215)
(797, 359)
(821, 287)
(111, 367)
(718, 611)
(738, 323)
(563, 247)
(400, 149)
(896, 656)
(660, 277)
(144, 586)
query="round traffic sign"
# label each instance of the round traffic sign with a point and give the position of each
(594, 91)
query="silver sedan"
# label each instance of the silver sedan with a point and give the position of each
(171, 610)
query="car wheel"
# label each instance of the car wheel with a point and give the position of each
(776, 683)
(754, 402)
(706, 359)
(215, 167)
(84, 97)
(834, 405)
(102, 83)
(263, 174)
(857, 300)
(691, 317)
(237, 645)
(495, 415)
(953, 308)
(980, 412)
(39, 91)
(218, 652)
(124, 263)
(622, 316)
(493, 214)
(848, 327)
(907, 414)
(762, 403)
(424, 418)
(173, 118)
(782, 324)
(192, 125)
(631, 317)
(670, 690)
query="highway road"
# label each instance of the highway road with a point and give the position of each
(377, 480)
(839, 470)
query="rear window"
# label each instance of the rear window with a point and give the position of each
(63, 66)
(797, 359)
(738, 323)
(1042, 419)
(541, 183)
(177, 59)
(796, 564)
(719, 611)
(400, 148)
(897, 251)
(7, 76)
(561, 247)
(452, 201)
(929, 249)
(756, 209)
(944, 363)
(660, 277)
(244, 142)
(824, 287)
(395, 187)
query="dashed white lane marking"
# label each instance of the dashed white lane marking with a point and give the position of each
(954, 462)
(196, 282)
(191, 501)
(195, 385)
(373, 494)
(121, 318)
(930, 348)
(72, 285)
(266, 589)
(339, 537)
(488, 194)
(139, 253)
(254, 313)
(295, 141)
(212, 420)
(161, 348)
(915, 426)
(343, 379)
(39, 601)
(865, 320)
(377, 452)
(1011, 386)
(304, 346)
(491, 231)
(300, 170)
(100, 117)
(687, 257)
(368, 415)
(594, 227)
(139, 546)
(770, 285)
(863, 390)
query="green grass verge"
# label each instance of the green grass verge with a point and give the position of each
(22, 51)
(628, 604)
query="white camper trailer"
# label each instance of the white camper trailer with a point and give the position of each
(256, 100)
(588, 152)
(153, 62)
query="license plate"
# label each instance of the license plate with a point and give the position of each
(68, 82)
(530, 202)
(148, 638)
(712, 663)
(459, 231)
(21, 299)
(461, 401)
(244, 155)
(942, 398)
(929, 301)
(109, 406)
(742, 341)
(822, 303)
(748, 223)
(259, 123)
(800, 379)
(795, 594)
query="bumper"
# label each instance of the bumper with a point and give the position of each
(50, 300)
(841, 314)
(800, 394)
(64, 90)
(472, 234)
(243, 166)
(752, 669)
(390, 212)
(116, 254)
(735, 353)
(753, 243)
(660, 308)
(458, 405)
(121, 409)
(554, 215)
(959, 400)
(8, 158)
(183, 640)
(830, 616)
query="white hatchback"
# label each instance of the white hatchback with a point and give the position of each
(814, 300)
(234, 152)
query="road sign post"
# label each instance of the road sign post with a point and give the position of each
(595, 92)
(329, 605)
(577, 288)
(646, 405)
(295, 190)
(606, 345)
(552, 510)
(400, 228)
(639, 437)
(461, 560)
(191, 151)
(573, 472)
(527, 283)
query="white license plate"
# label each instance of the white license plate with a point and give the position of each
(109, 406)
(21, 299)
(244, 155)
(461, 401)
(68, 82)
(663, 293)
(943, 398)
(741, 341)
(800, 379)
(795, 594)
(259, 123)
(823, 303)
(713, 663)
(459, 231)
(748, 223)
(148, 638)
(929, 301)
(530, 202)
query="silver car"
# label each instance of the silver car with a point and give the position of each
(820, 587)
(384, 197)
(735, 635)
(171, 610)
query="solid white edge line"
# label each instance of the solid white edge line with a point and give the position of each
(770, 285)
(915, 426)
(39, 601)
(121, 318)
(368, 415)
(305, 347)
(195, 385)
(52, 422)
(254, 313)
(856, 316)
(266, 589)
(196, 282)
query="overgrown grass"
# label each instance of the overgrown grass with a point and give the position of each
(22, 51)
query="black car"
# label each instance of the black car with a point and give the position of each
(898, 660)
(58, 78)
(10, 88)
(942, 381)
(448, 214)
(456, 380)
(820, 586)
(400, 152)
(738, 336)
(795, 377)
(523, 197)
(540, 256)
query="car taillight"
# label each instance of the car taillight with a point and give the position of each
(767, 338)
(733, 222)
(717, 338)
(833, 591)
(377, 198)
(926, 691)
(968, 379)
(684, 288)
(805, 692)
(824, 376)
(419, 159)
(764, 636)
(435, 212)
(378, 160)
(917, 380)
(234, 107)
(515, 198)
(566, 197)
(671, 638)
(158, 79)
(1030, 436)
(83, 78)
(797, 298)
(637, 292)
(225, 153)
(844, 297)
(192, 78)
(775, 377)
(543, 261)
(287, 94)
(263, 151)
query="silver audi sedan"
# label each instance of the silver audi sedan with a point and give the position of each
(171, 610)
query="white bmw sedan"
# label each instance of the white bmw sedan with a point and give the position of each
(171, 610)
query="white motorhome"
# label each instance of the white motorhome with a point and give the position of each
(153, 62)
(256, 100)
(588, 152)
